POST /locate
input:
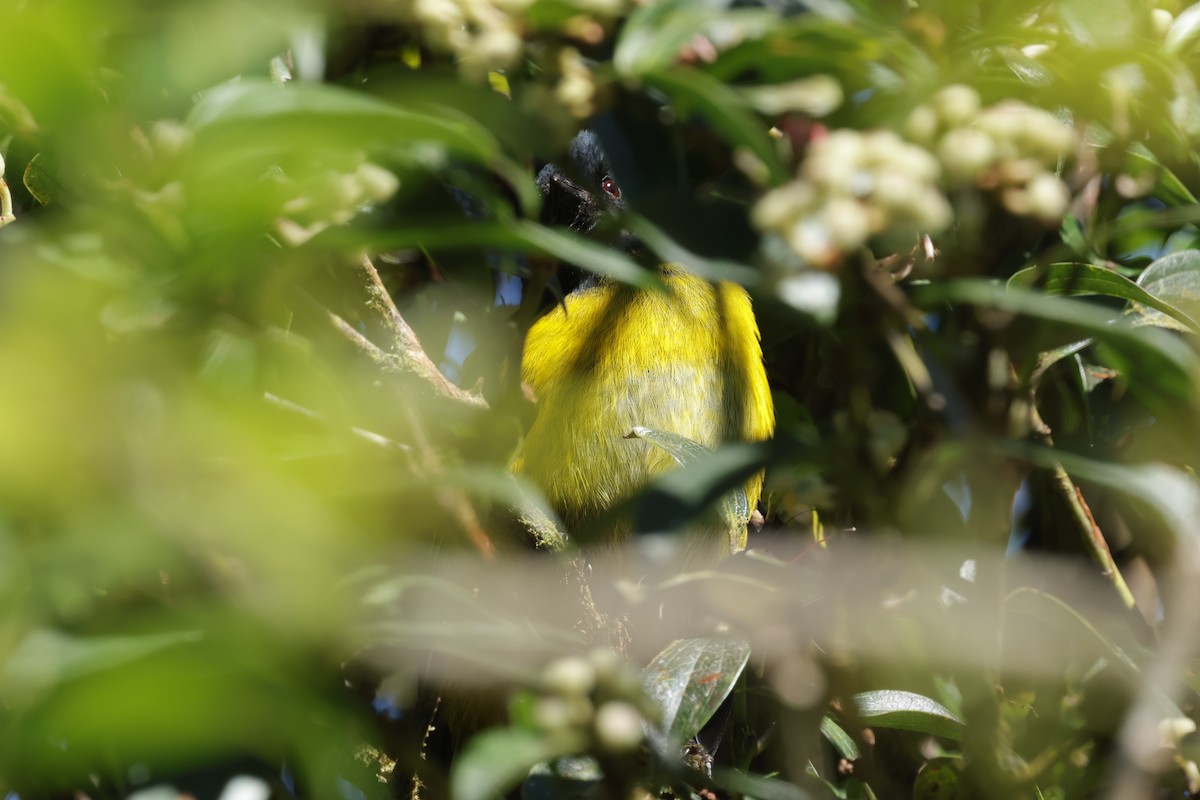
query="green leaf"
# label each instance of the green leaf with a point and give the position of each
(47, 656)
(1174, 280)
(1078, 279)
(655, 33)
(495, 761)
(689, 680)
(907, 711)
(692, 91)
(841, 741)
(515, 235)
(735, 506)
(41, 182)
(1166, 364)
(1169, 189)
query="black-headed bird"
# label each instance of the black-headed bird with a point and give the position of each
(685, 359)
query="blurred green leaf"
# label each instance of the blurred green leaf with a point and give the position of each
(496, 761)
(735, 506)
(517, 235)
(907, 711)
(46, 657)
(655, 34)
(689, 680)
(694, 92)
(1076, 278)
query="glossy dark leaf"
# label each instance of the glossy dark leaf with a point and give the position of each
(689, 680)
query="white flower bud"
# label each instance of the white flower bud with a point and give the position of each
(570, 676)
(922, 125)
(1018, 171)
(552, 713)
(893, 190)
(779, 206)
(919, 164)
(498, 47)
(1048, 138)
(846, 222)
(842, 149)
(1048, 197)
(811, 239)
(168, 137)
(377, 183)
(930, 210)
(1173, 729)
(956, 105)
(1016, 200)
(347, 191)
(965, 152)
(618, 727)
(884, 148)
(1, 165)
(445, 14)
(608, 664)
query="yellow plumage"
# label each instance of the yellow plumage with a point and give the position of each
(685, 360)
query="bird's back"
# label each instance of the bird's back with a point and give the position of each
(686, 360)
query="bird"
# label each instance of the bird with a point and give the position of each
(685, 358)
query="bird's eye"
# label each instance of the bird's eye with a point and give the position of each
(610, 186)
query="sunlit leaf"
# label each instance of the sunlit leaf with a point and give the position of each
(1089, 279)
(1175, 281)
(689, 680)
(907, 711)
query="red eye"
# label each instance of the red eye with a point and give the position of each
(610, 186)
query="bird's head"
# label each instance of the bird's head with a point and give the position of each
(579, 196)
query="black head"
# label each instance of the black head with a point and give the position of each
(579, 196)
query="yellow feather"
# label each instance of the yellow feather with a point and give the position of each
(685, 360)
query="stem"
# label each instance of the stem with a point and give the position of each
(1093, 537)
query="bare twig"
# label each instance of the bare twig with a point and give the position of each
(411, 362)
(403, 347)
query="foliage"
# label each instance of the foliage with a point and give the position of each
(255, 517)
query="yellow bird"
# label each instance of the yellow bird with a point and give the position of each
(686, 360)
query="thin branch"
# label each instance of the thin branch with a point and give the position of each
(412, 362)
(404, 350)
